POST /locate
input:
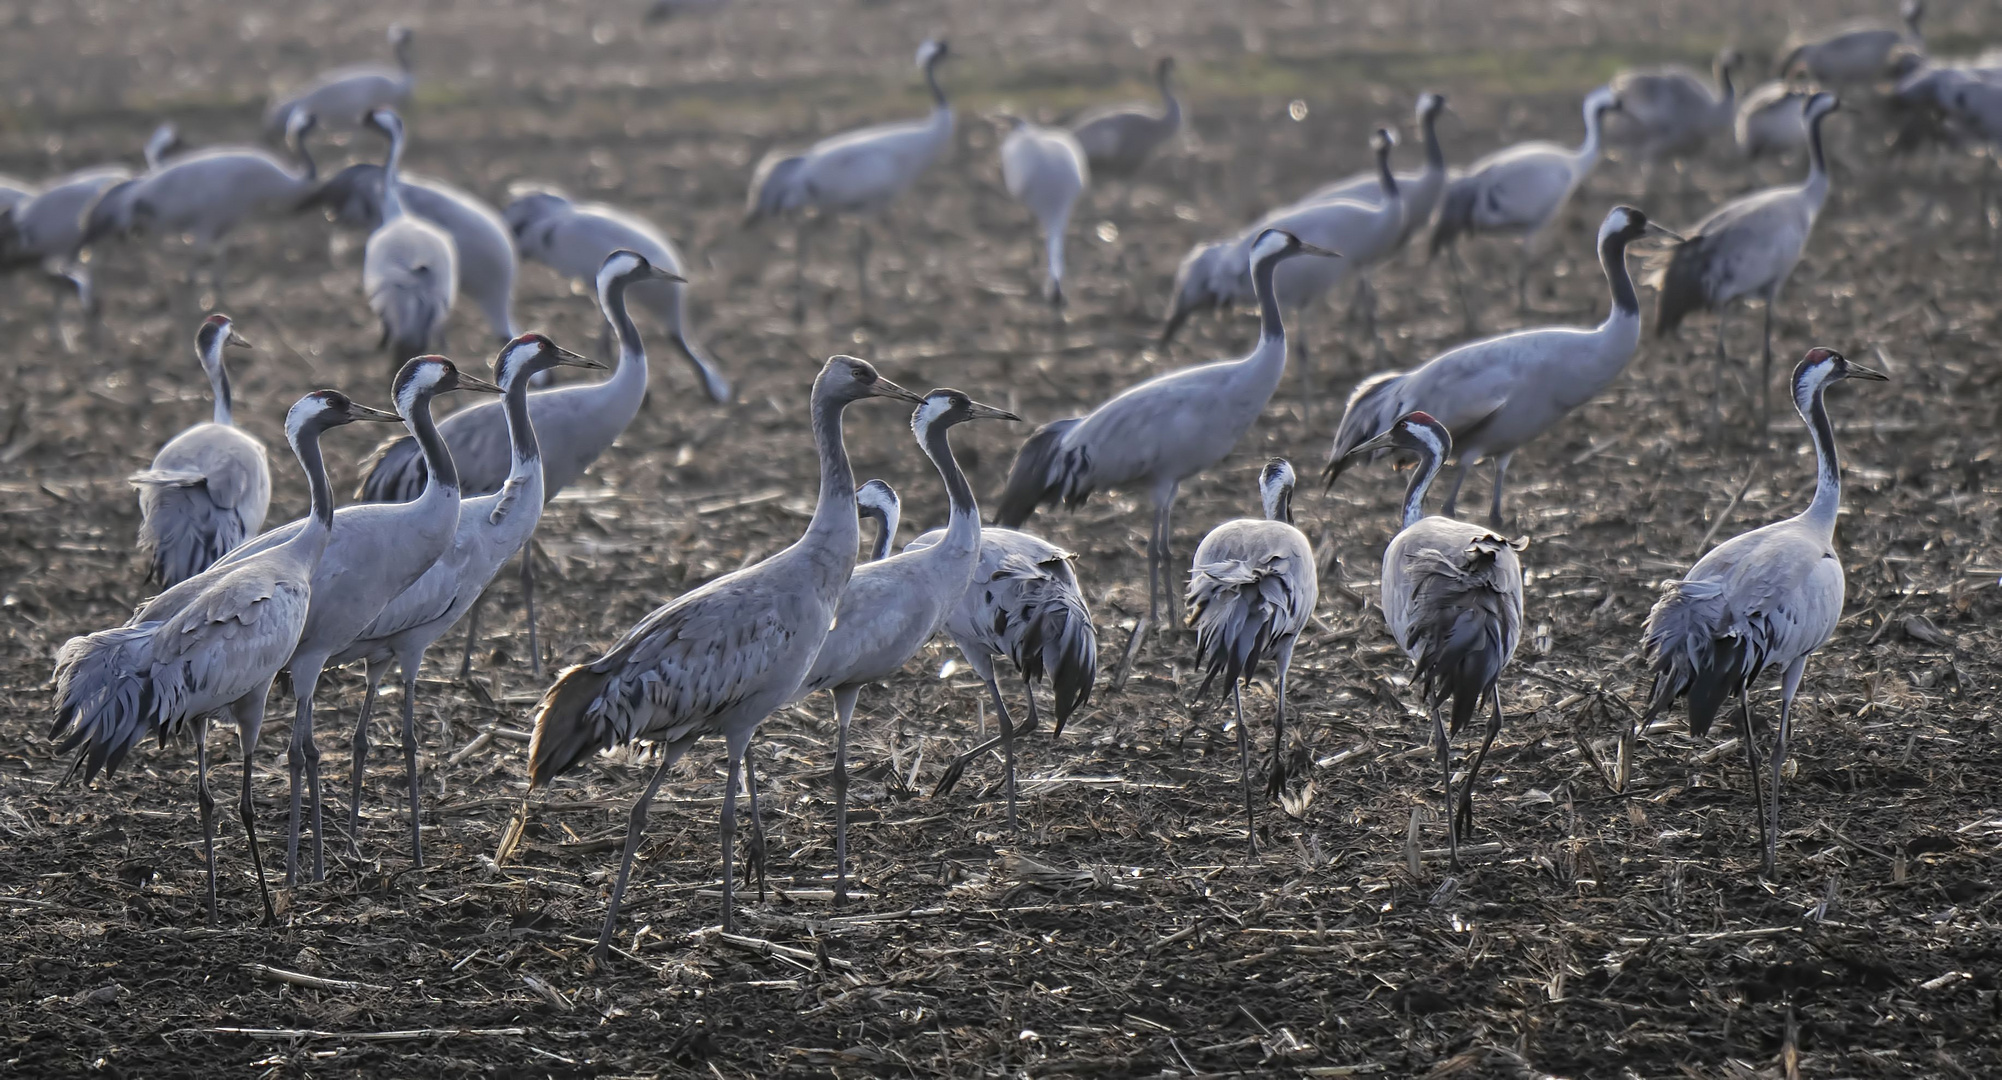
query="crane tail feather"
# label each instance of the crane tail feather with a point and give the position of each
(1041, 472)
(565, 733)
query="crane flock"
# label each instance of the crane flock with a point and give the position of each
(445, 506)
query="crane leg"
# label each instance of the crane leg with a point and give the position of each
(756, 850)
(635, 829)
(1283, 661)
(862, 269)
(1169, 594)
(410, 760)
(528, 599)
(844, 711)
(1495, 506)
(1522, 279)
(206, 801)
(1459, 477)
(1766, 368)
(1464, 821)
(727, 831)
(953, 771)
(472, 639)
(1446, 770)
(360, 766)
(1723, 370)
(1752, 765)
(799, 273)
(1789, 686)
(1007, 748)
(1458, 273)
(249, 710)
(1244, 768)
(303, 758)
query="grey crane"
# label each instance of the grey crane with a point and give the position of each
(1670, 112)
(166, 139)
(1217, 275)
(1119, 139)
(211, 644)
(1420, 190)
(1747, 247)
(376, 552)
(410, 267)
(1769, 120)
(1044, 169)
(1765, 599)
(1252, 589)
(1452, 597)
(209, 486)
(481, 238)
(893, 606)
(1520, 190)
(574, 239)
(1498, 393)
(1024, 605)
(491, 529)
(206, 194)
(1162, 431)
(718, 659)
(45, 231)
(343, 98)
(573, 425)
(877, 501)
(858, 172)
(1856, 52)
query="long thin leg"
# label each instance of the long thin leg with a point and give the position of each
(1244, 768)
(1723, 369)
(1501, 474)
(799, 273)
(1465, 822)
(1446, 772)
(862, 265)
(1789, 685)
(1460, 286)
(757, 849)
(635, 829)
(206, 801)
(410, 758)
(1522, 277)
(844, 711)
(1766, 367)
(1007, 747)
(360, 766)
(950, 778)
(1167, 526)
(1282, 660)
(472, 635)
(249, 711)
(1459, 477)
(1752, 766)
(528, 597)
(303, 758)
(727, 831)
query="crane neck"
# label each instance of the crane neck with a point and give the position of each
(962, 529)
(1429, 463)
(1827, 463)
(320, 516)
(392, 200)
(1386, 181)
(1816, 185)
(886, 533)
(219, 385)
(526, 454)
(1435, 155)
(1588, 151)
(1171, 107)
(631, 374)
(835, 530)
(931, 80)
(402, 49)
(1613, 259)
(1271, 327)
(437, 456)
(309, 169)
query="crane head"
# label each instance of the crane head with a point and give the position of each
(1275, 489)
(931, 52)
(216, 332)
(1416, 432)
(849, 378)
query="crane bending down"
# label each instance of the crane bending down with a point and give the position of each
(209, 486)
(1163, 431)
(491, 529)
(1252, 590)
(719, 659)
(858, 172)
(1765, 599)
(893, 606)
(1499, 393)
(1452, 596)
(210, 644)
(1024, 604)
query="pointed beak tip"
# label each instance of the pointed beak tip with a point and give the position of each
(474, 382)
(239, 340)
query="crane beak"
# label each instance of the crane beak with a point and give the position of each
(885, 388)
(474, 382)
(566, 358)
(1858, 371)
(989, 412)
(358, 411)
(1653, 229)
(238, 340)
(1313, 249)
(669, 275)
(1381, 442)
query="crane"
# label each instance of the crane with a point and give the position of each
(410, 267)
(1044, 169)
(344, 97)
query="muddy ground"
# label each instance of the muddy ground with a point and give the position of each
(1123, 931)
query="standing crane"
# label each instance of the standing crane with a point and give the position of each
(1669, 112)
(718, 659)
(1764, 599)
(859, 172)
(574, 239)
(1747, 247)
(491, 529)
(209, 486)
(1452, 596)
(1044, 169)
(1420, 190)
(1498, 393)
(1025, 605)
(1520, 189)
(1119, 139)
(410, 267)
(1252, 590)
(344, 97)
(376, 552)
(893, 606)
(212, 643)
(573, 425)
(1855, 52)
(1162, 431)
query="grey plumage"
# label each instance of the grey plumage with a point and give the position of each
(1162, 431)
(210, 644)
(1420, 190)
(209, 487)
(343, 98)
(893, 606)
(1044, 169)
(410, 267)
(1765, 599)
(1671, 112)
(375, 553)
(1118, 139)
(44, 230)
(481, 238)
(1452, 597)
(1856, 52)
(574, 239)
(1769, 121)
(718, 659)
(1252, 589)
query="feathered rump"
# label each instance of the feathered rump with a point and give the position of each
(182, 531)
(566, 732)
(771, 187)
(1475, 623)
(1678, 281)
(105, 700)
(1055, 639)
(1237, 610)
(395, 472)
(1374, 405)
(1043, 471)
(1456, 213)
(410, 317)
(1693, 653)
